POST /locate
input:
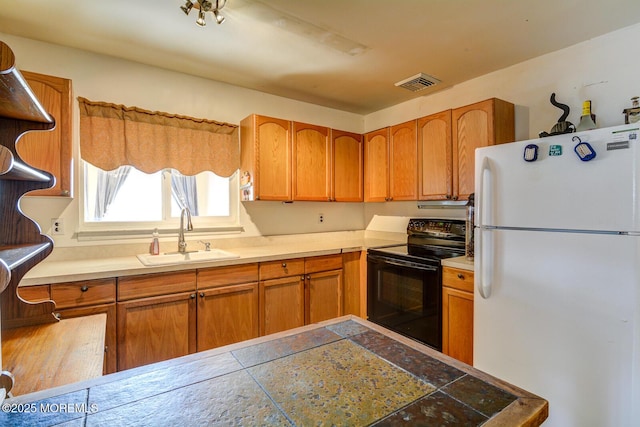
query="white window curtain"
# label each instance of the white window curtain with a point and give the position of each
(185, 191)
(109, 183)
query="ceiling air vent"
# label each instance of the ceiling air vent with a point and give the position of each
(418, 82)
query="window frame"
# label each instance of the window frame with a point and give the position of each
(110, 230)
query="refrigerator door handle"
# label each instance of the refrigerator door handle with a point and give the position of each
(483, 282)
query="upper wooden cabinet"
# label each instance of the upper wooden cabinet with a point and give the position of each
(51, 151)
(347, 170)
(265, 154)
(391, 164)
(376, 166)
(403, 161)
(312, 158)
(477, 125)
(435, 157)
(285, 161)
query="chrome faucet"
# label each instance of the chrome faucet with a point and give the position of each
(182, 245)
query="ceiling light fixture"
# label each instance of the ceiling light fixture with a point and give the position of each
(204, 6)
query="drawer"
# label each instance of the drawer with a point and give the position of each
(223, 276)
(149, 285)
(457, 278)
(82, 293)
(284, 268)
(323, 263)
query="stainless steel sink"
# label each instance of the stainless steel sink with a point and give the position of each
(185, 258)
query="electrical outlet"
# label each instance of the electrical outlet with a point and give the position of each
(57, 226)
(320, 218)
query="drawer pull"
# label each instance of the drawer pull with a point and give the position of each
(84, 288)
(284, 265)
(460, 276)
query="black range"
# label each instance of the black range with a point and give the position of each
(404, 282)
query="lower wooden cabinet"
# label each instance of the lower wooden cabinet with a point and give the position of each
(281, 304)
(153, 324)
(155, 329)
(227, 305)
(323, 285)
(457, 314)
(308, 290)
(155, 317)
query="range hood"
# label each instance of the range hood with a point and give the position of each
(442, 204)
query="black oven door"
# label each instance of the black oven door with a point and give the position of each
(405, 297)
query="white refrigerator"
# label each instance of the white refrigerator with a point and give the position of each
(557, 272)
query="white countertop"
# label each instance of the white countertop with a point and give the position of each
(460, 262)
(69, 270)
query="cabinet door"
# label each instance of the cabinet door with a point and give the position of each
(376, 166)
(457, 324)
(273, 159)
(347, 166)
(110, 340)
(311, 162)
(155, 329)
(435, 164)
(50, 151)
(403, 162)
(281, 304)
(324, 300)
(227, 315)
(478, 125)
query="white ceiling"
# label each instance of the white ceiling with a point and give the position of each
(284, 47)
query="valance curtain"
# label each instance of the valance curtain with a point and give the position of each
(114, 135)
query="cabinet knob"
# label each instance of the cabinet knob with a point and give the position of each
(308, 277)
(201, 294)
(192, 296)
(284, 265)
(460, 276)
(84, 288)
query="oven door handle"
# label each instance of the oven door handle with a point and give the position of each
(405, 264)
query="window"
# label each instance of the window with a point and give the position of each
(127, 198)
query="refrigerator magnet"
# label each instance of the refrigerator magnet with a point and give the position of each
(530, 153)
(584, 150)
(555, 150)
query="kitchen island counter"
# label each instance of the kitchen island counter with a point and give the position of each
(346, 371)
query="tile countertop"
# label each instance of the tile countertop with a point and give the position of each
(345, 371)
(48, 272)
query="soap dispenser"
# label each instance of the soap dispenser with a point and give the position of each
(154, 247)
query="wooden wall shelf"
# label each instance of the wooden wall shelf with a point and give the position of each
(22, 245)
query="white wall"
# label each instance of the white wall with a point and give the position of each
(605, 69)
